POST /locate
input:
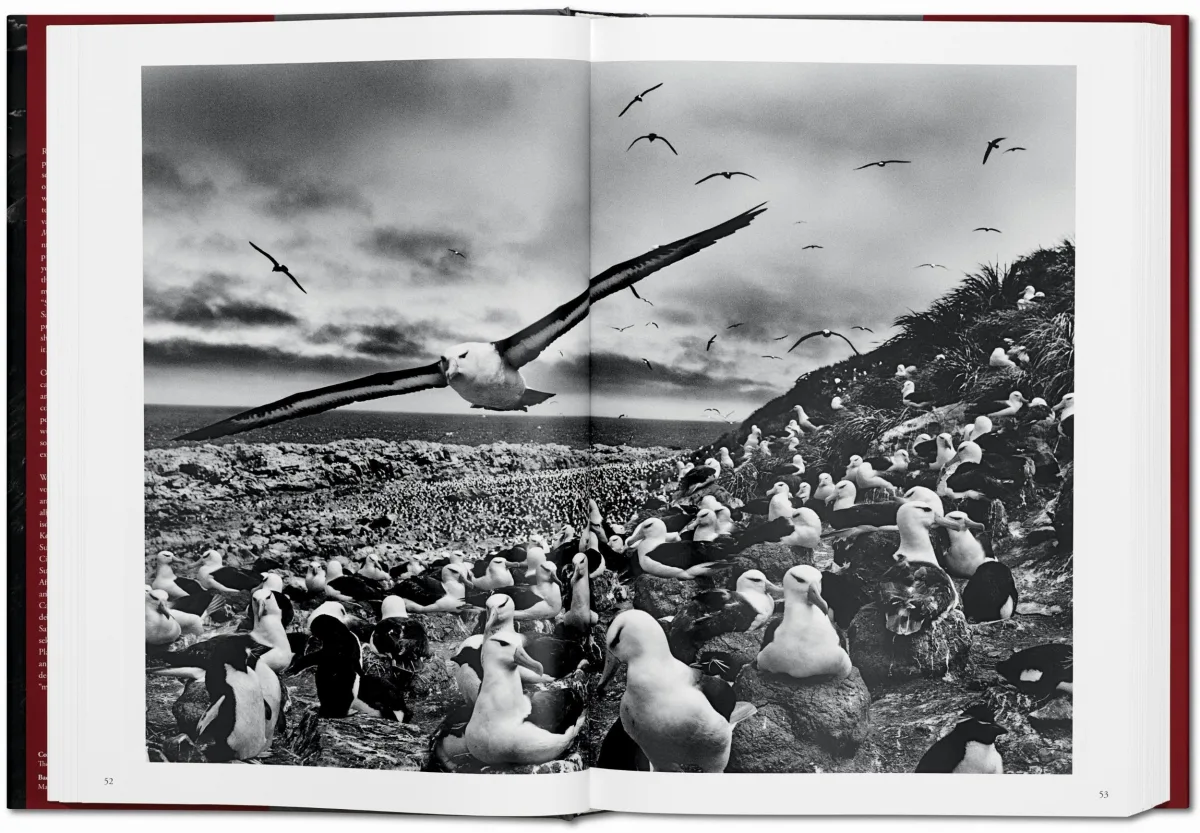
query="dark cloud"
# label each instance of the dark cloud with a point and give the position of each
(427, 251)
(253, 114)
(388, 341)
(220, 358)
(605, 373)
(297, 197)
(162, 178)
(210, 304)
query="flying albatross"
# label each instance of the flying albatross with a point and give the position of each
(826, 334)
(486, 374)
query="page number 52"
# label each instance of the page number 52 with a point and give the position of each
(1104, 793)
(108, 782)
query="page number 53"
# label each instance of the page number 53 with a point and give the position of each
(1104, 793)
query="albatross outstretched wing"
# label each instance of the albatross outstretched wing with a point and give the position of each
(523, 347)
(803, 339)
(391, 383)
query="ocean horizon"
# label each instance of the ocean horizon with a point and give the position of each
(164, 422)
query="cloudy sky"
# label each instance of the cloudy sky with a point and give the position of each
(360, 176)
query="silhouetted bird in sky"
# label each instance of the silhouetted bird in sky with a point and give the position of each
(738, 324)
(1010, 150)
(457, 253)
(647, 363)
(780, 358)
(992, 145)
(278, 267)
(652, 137)
(988, 228)
(653, 324)
(638, 98)
(710, 343)
(930, 265)
(620, 329)
(782, 337)
(727, 175)
(812, 246)
(884, 163)
(864, 329)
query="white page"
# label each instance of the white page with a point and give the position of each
(104, 760)
(1107, 62)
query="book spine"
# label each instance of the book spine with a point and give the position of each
(18, 202)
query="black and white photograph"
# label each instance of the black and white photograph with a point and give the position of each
(517, 416)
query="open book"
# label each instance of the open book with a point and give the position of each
(650, 406)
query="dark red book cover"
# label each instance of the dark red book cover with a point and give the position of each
(27, 361)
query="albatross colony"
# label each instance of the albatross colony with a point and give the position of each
(803, 597)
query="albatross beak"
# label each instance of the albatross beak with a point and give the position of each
(525, 661)
(695, 522)
(942, 520)
(974, 524)
(814, 598)
(610, 668)
(774, 590)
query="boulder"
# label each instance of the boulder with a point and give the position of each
(884, 658)
(773, 559)
(801, 725)
(660, 596)
(356, 742)
(741, 646)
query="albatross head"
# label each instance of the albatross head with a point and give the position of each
(802, 585)
(633, 634)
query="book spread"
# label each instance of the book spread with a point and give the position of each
(637, 404)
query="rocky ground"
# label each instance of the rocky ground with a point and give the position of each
(420, 499)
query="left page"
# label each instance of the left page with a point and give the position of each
(353, 394)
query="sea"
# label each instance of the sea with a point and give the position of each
(162, 422)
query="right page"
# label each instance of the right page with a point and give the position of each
(868, 565)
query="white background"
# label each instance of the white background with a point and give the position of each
(310, 821)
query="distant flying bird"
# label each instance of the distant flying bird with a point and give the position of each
(865, 329)
(826, 334)
(727, 175)
(485, 374)
(988, 228)
(654, 324)
(738, 324)
(812, 246)
(884, 162)
(992, 145)
(638, 98)
(620, 416)
(648, 365)
(653, 137)
(1010, 150)
(720, 416)
(799, 222)
(620, 329)
(278, 267)
(710, 341)
(782, 337)
(931, 265)
(457, 253)
(780, 358)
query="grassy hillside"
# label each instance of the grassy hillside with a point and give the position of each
(963, 327)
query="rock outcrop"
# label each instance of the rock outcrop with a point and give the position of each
(884, 658)
(812, 725)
